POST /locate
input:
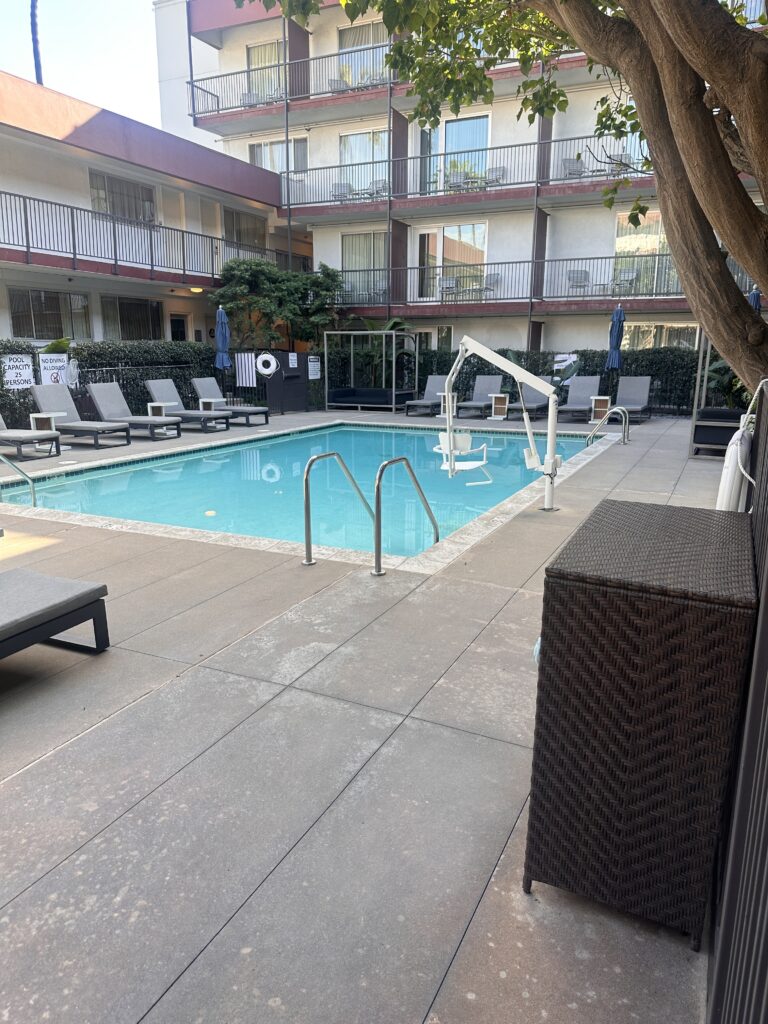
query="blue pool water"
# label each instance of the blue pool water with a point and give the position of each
(256, 488)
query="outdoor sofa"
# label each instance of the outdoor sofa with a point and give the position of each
(480, 403)
(208, 387)
(35, 608)
(110, 403)
(535, 401)
(430, 403)
(580, 392)
(164, 392)
(56, 398)
(18, 438)
(357, 398)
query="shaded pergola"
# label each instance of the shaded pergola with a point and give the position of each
(371, 352)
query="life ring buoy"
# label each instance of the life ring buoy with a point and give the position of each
(270, 473)
(732, 495)
(266, 364)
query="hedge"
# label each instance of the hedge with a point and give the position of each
(15, 406)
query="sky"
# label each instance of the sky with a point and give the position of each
(102, 51)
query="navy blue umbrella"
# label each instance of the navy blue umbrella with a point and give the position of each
(754, 299)
(613, 361)
(222, 361)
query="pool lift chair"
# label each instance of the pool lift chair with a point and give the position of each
(453, 448)
(462, 446)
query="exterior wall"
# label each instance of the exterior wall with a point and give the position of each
(581, 231)
(579, 118)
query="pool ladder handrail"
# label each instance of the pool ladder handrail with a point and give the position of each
(377, 569)
(308, 559)
(20, 471)
(375, 516)
(624, 424)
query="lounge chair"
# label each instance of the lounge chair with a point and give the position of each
(18, 438)
(430, 403)
(208, 387)
(633, 395)
(52, 398)
(481, 396)
(111, 404)
(580, 392)
(535, 401)
(165, 391)
(34, 608)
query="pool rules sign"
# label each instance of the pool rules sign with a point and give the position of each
(18, 372)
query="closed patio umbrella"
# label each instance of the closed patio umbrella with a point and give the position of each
(222, 361)
(613, 361)
(754, 299)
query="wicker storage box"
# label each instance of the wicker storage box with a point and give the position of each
(649, 614)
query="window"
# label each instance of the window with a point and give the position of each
(445, 338)
(358, 36)
(639, 336)
(122, 198)
(127, 319)
(464, 244)
(466, 146)
(364, 147)
(363, 264)
(47, 316)
(244, 228)
(362, 49)
(643, 264)
(271, 155)
(265, 76)
(450, 260)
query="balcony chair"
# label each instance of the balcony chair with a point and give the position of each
(251, 99)
(495, 176)
(535, 401)
(579, 280)
(341, 192)
(379, 188)
(276, 95)
(485, 386)
(457, 181)
(580, 392)
(338, 85)
(491, 286)
(626, 280)
(449, 288)
(573, 167)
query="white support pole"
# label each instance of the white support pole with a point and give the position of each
(551, 459)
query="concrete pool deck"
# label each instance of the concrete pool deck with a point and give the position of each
(299, 794)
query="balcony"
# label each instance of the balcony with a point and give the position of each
(346, 76)
(474, 175)
(37, 231)
(564, 283)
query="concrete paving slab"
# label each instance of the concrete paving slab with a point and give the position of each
(208, 627)
(101, 936)
(30, 667)
(491, 688)
(290, 645)
(57, 805)
(389, 664)
(506, 565)
(48, 545)
(561, 959)
(38, 718)
(360, 922)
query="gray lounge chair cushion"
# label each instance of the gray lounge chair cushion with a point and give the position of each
(634, 393)
(165, 391)
(111, 404)
(580, 392)
(12, 435)
(426, 402)
(28, 599)
(533, 399)
(208, 387)
(57, 398)
(484, 387)
(475, 405)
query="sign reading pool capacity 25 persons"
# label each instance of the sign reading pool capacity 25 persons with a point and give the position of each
(18, 372)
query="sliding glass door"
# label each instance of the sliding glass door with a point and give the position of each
(466, 151)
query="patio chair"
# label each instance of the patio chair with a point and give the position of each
(379, 188)
(251, 99)
(634, 394)
(449, 288)
(53, 398)
(341, 191)
(165, 391)
(578, 280)
(490, 285)
(626, 280)
(35, 608)
(338, 85)
(457, 181)
(485, 386)
(430, 402)
(580, 391)
(18, 438)
(208, 387)
(495, 176)
(573, 167)
(111, 404)
(535, 401)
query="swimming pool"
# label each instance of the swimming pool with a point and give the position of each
(256, 488)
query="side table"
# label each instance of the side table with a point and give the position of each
(499, 407)
(46, 421)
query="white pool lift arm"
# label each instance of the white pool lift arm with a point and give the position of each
(552, 461)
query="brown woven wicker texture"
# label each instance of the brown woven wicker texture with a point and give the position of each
(649, 613)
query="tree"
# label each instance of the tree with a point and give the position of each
(35, 41)
(259, 297)
(687, 75)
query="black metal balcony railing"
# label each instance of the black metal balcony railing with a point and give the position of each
(348, 71)
(38, 225)
(615, 277)
(469, 172)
